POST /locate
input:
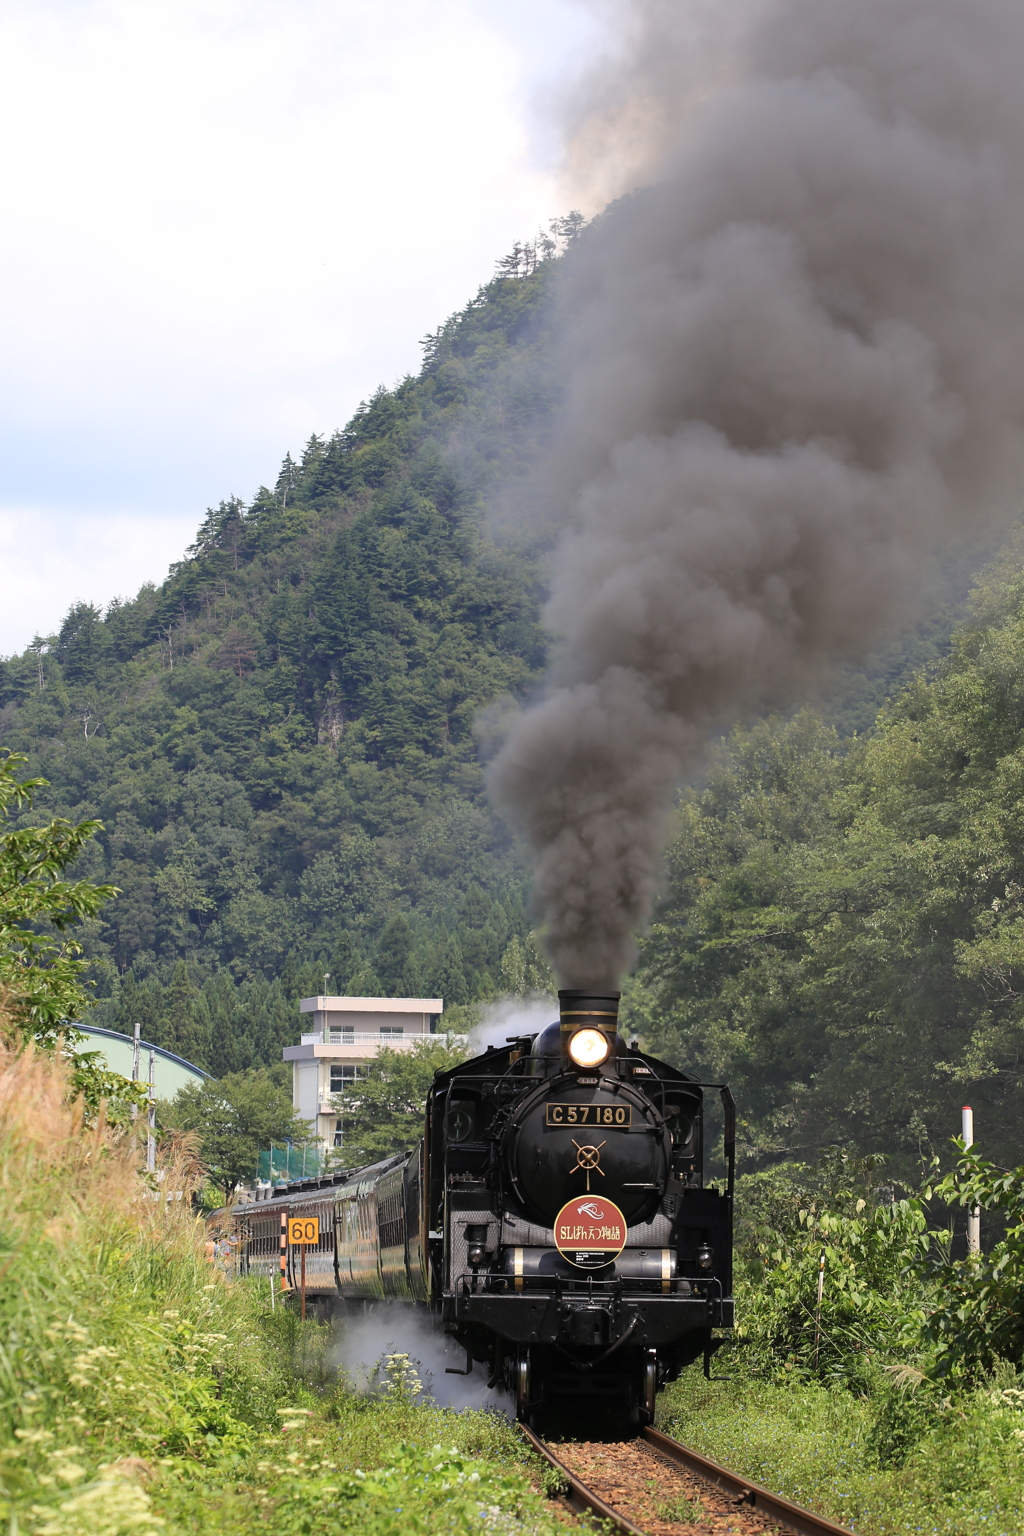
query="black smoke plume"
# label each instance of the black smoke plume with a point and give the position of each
(796, 362)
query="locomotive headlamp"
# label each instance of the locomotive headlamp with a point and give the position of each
(705, 1257)
(589, 1020)
(589, 1047)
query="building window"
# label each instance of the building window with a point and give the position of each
(392, 1029)
(337, 1133)
(343, 1073)
(343, 1036)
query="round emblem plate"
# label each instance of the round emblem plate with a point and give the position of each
(590, 1231)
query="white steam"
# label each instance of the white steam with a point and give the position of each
(396, 1328)
(511, 1016)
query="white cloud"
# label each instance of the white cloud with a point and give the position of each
(225, 222)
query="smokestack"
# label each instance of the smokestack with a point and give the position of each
(579, 1009)
(793, 366)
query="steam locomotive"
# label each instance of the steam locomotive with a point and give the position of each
(555, 1218)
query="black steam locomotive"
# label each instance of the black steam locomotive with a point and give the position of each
(555, 1217)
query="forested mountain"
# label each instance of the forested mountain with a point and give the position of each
(279, 739)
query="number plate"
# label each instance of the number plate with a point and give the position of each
(610, 1117)
(303, 1229)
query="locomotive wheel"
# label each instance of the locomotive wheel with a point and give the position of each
(648, 1388)
(521, 1385)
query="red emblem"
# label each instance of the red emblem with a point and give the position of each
(590, 1231)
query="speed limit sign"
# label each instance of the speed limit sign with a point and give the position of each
(303, 1229)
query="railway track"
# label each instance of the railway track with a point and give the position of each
(654, 1486)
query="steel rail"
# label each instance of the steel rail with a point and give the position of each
(804, 1521)
(579, 1495)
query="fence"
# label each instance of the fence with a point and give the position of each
(290, 1163)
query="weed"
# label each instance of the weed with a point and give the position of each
(680, 1509)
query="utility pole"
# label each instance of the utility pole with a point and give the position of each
(973, 1211)
(151, 1134)
(135, 1065)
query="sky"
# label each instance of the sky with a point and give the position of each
(226, 222)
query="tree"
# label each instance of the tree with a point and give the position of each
(238, 650)
(41, 969)
(40, 966)
(235, 1118)
(392, 957)
(524, 971)
(382, 1113)
(184, 1023)
(449, 973)
(725, 958)
(82, 644)
(569, 227)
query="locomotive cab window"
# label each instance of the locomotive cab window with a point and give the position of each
(679, 1119)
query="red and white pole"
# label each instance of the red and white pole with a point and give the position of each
(973, 1211)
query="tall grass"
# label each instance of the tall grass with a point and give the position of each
(142, 1394)
(959, 1472)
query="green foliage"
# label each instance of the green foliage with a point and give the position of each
(818, 1445)
(383, 1111)
(40, 966)
(235, 1118)
(978, 1317)
(420, 1491)
(141, 1395)
(930, 1347)
(681, 1510)
(872, 1302)
(875, 1295)
(43, 976)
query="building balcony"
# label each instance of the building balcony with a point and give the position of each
(362, 1037)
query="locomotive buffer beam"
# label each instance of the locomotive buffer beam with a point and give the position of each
(545, 1318)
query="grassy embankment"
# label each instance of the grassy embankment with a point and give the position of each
(880, 1459)
(141, 1395)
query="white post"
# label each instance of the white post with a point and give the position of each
(151, 1134)
(817, 1313)
(135, 1065)
(974, 1211)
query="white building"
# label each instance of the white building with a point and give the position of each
(345, 1033)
